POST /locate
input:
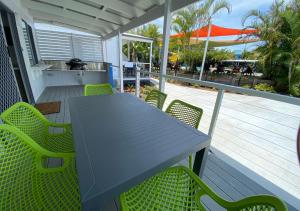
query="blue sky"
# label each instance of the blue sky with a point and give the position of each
(234, 20)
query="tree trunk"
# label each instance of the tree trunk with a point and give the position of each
(290, 76)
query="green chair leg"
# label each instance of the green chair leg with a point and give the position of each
(191, 161)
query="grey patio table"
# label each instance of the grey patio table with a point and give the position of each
(120, 141)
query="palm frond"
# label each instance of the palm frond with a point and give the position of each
(296, 43)
(257, 14)
(220, 5)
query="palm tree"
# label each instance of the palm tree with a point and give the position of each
(279, 29)
(151, 31)
(268, 29)
(206, 13)
(184, 23)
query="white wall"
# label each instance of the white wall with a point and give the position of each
(111, 55)
(111, 50)
(35, 74)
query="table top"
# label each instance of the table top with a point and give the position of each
(120, 141)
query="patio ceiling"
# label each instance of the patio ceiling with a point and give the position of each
(101, 17)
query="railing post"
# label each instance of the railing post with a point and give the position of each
(121, 62)
(137, 82)
(201, 156)
(150, 60)
(216, 111)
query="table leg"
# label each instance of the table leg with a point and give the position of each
(200, 160)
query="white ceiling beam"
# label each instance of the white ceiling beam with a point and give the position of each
(84, 8)
(151, 2)
(165, 47)
(129, 37)
(69, 23)
(69, 26)
(151, 15)
(69, 14)
(121, 6)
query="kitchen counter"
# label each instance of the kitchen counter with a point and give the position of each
(65, 70)
(40, 67)
(64, 77)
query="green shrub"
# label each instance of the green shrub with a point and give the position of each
(265, 87)
(246, 86)
(295, 90)
(130, 88)
(281, 85)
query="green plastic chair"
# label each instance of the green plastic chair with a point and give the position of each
(26, 184)
(178, 188)
(187, 113)
(98, 89)
(30, 121)
(156, 98)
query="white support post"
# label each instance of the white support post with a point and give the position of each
(205, 50)
(201, 156)
(121, 62)
(166, 38)
(137, 82)
(216, 111)
(150, 60)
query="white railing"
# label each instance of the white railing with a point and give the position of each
(139, 66)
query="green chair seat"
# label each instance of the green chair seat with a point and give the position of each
(25, 182)
(187, 113)
(156, 98)
(30, 121)
(178, 188)
(98, 89)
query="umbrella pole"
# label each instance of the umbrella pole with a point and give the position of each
(205, 50)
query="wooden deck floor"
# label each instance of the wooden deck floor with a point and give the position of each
(221, 177)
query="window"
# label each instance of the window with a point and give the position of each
(27, 31)
(54, 45)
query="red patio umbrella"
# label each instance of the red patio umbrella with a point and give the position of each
(216, 31)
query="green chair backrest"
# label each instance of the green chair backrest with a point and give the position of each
(26, 184)
(156, 98)
(27, 119)
(185, 112)
(98, 89)
(179, 188)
